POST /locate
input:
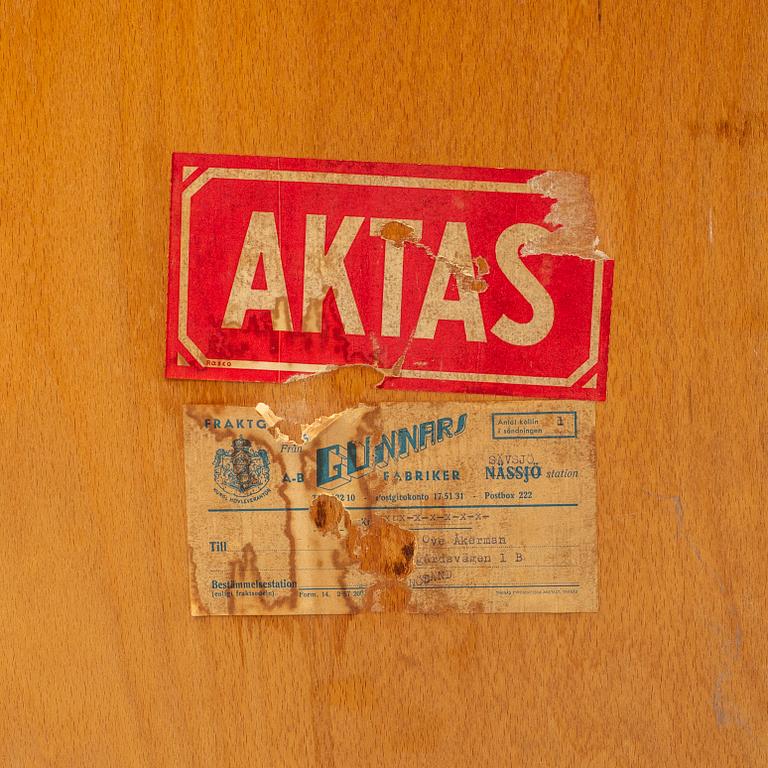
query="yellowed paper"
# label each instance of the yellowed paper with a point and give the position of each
(416, 507)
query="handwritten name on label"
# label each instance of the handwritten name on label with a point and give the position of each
(440, 278)
(407, 507)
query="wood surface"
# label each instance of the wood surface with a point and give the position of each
(101, 664)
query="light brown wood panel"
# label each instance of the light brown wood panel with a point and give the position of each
(101, 664)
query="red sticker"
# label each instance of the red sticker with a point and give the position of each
(442, 278)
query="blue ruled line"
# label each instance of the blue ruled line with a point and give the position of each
(492, 586)
(263, 509)
(394, 509)
(468, 506)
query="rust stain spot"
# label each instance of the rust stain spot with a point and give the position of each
(477, 285)
(398, 233)
(326, 513)
(384, 548)
(381, 548)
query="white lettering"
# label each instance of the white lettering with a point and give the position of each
(508, 258)
(454, 253)
(260, 242)
(324, 271)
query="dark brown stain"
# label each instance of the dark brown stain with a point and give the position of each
(245, 567)
(342, 562)
(194, 591)
(293, 597)
(380, 548)
(326, 513)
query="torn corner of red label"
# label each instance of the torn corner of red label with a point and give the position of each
(441, 278)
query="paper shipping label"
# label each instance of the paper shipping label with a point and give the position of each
(405, 507)
(441, 278)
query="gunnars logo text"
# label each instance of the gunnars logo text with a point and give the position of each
(337, 465)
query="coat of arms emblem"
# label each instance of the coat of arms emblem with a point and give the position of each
(243, 470)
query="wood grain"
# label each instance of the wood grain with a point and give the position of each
(101, 664)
